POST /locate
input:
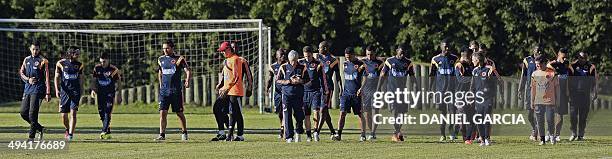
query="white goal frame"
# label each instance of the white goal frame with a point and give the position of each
(260, 28)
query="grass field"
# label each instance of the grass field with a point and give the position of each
(134, 127)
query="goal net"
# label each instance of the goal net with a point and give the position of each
(134, 46)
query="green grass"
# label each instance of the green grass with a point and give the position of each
(135, 126)
(268, 146)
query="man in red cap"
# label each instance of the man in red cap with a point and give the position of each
(220, 106)
(233, 88)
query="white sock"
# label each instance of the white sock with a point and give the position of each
(221, 132)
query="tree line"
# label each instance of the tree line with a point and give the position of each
(508, 28)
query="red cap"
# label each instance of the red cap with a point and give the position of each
(223, 46)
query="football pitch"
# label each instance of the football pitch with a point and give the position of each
(134, 127)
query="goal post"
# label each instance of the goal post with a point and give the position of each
(133, 46)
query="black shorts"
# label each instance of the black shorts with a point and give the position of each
(174, 99)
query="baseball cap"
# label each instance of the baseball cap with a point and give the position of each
(223, 46)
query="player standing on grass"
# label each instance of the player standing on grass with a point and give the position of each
(330, 66)
(171, 68)
(527, 69)
(483, 82)
(349, 99)
(484, 51)
(221, 107)
(544, 87)
(371, 71)
(106, 81)
(583, 84)
(281, 58)
(68, 84)
(312, 89)
(442, 69)
(463, 73)
(395, 72)
(33, 69)
(561, 66)
(292, 77)
(233, 89)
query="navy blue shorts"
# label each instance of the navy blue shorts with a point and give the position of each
(69, 102)
(348, 102)
(174, 99)
(312, 100)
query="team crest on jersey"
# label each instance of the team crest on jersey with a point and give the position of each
(106, 74)
(313, 65)
(328, 62)
(375, 65)
(356, 67)
(36, 63)
(173, 61)
(483, 74)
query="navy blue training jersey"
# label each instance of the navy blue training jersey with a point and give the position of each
(313, 68)
(371, 71)
(286, 72)
(398, 67)
(483, 81)
(463, 75)
(105, 78)
(352, 77)
(442, 67)
(35, 67)
(529, 67)
(171, 68)
(329, 66)
(561, 68)
(397, 70)
(275, 67)
(372, 68)
(582, 79)
(71, 71)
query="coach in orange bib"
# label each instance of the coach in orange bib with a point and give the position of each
(233, 89)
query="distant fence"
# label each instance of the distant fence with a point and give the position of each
(202, 92)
